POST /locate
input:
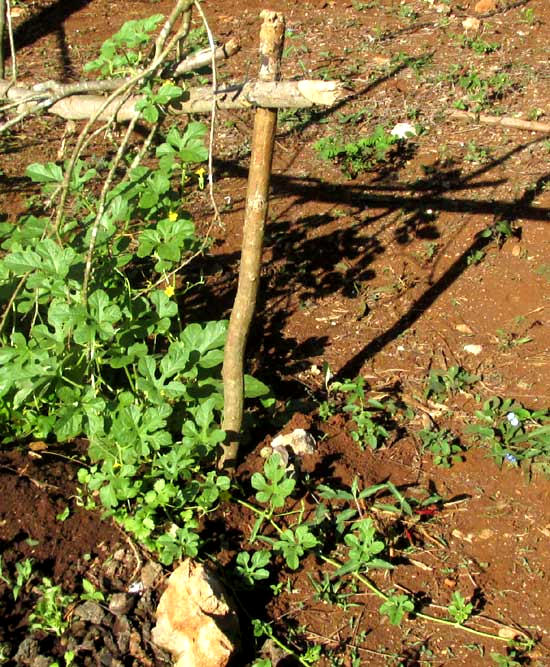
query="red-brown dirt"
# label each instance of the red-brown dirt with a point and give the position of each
(385, 276)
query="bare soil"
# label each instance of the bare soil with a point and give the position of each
(384, 275)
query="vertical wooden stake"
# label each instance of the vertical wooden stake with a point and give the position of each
(263, 138)
(2, 35)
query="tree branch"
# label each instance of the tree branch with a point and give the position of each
(505, 121)
(270, 95)
(257, 198)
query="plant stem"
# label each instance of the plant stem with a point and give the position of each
(260, 513)
(286, 648)
(417, 614)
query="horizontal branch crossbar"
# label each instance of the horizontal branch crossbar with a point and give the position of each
(252, 94)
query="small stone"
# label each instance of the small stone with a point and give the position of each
(508, 633)
(151, 574)
(483, 6)
(266, 452)
(403, 131)
(283, 453)
(90, 611)
(121, 630)
(41, 661)
(120, 603)
(300, 442)
(119, 555)
(107, 659)
(473, 349)
(27, 651)
(18, 12)
(135, 588)
(273, 652)
(471, 23)
(465, 329)
(486, 534)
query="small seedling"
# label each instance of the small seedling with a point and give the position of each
(90, 592)
(293, 544)
(49, 611)
(478, 45)
(64, 515)
(442, 383)
(395, 608)
(355, 157)
(528, 16)
(429, 251)
(460, 610)
(407, 12)
(364, 544)
(479, 92)
(68, 660)
(252, 570)
(476, 154)
(544, 269)
(274, 486)
(475, 257)
(514, 433)
(370, 416)
(505, 660)
(501, 231)
(330, 591)
(442, 445)
(508, 340)
(535, 114)
(23, 572)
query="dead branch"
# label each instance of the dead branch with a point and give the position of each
(270, 95)
(2, 31)
(193, 62)
(11, 41)
(46, 94)
(257, 198)
(204, 57)
(505, 121)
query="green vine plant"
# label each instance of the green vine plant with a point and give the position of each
(342, 531)
(92, 341)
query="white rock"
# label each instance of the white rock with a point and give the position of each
(300, 442)
(471, 23)
(403, 131)
(190, 616)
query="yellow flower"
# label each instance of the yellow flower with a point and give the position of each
(201, 171)
(169, 291)
(172, 216)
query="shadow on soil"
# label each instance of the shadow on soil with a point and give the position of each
(312, 257)
(49, 20)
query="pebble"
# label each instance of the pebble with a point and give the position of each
(151, 574)
(27, 651)
(90, 611)
(485, 6)
(120, 603)
(121, 631)
(41, 661)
